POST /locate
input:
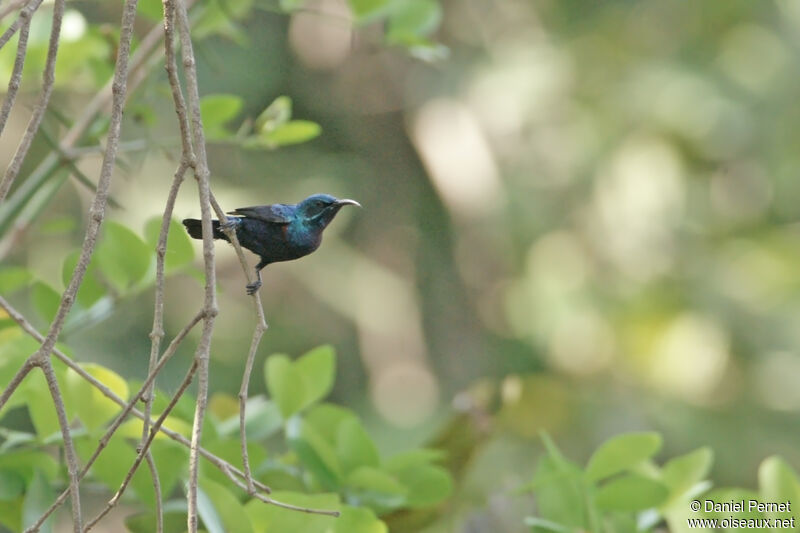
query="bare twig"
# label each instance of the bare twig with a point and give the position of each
(283, 505)
(151, 465)
(140, 62)
(48, 80)
(157, 332)
(16, 74)
(258, 332)
(210, 302)
(146, 446)
(69, 447)
(127, 408)
(25, 13)
(41, 356)
(226, 468)
(97, 210)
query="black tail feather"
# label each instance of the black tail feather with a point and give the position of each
(195, 229)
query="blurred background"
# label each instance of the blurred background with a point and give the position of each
(582, 218)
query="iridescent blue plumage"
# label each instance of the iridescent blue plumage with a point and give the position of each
(277, 232)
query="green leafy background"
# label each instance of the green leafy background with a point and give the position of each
(570, 300)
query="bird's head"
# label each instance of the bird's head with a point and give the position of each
(320, 209)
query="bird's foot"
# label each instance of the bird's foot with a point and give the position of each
(253, 287)
(229, 225)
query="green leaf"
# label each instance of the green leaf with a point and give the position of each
(375, 488)
(284, 384)
(316, 454)
(412, 19)
(217, 110)
(91, 290)
(358, 520)
(275, 115)
(287, 6)
(317, 368)
(413, 458)
(427, 485)
(12, 484)
(45, 300)
(172, 462)
(622, 452)
(631, 492)
(296, 385)
(14, 350)
(355, 447)
(40, 405)
(541, 523)
(180, 251)
(366, 11)
(778, 482)
(151, 9)
(38, 498)
(293, 132)
(11, 515)
(112, 465)
(91, 406)
(132, 429)
(28, 462)
(229, 511)
(122, 256)
(270, 518)
(174, 519)
(218, 16)
(230, 450)
(262, 419)
(13, 278)
(681, 473)
(326, 419)
(208, 512)
(561, 492)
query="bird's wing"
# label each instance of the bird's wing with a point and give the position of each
(275, 213)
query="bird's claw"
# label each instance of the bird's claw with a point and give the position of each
(253, 287)
(229, 225)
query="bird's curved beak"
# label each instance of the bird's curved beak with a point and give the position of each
(347, 201)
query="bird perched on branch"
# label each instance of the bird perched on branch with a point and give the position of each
(277, 232)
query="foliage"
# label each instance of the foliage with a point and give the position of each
(312, 454)
(623, 490)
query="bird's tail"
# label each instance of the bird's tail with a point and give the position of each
(195, 229)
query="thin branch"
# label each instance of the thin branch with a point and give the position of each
(201, 172)
(151, 465)
(224, 466)
(127, 408)
(69, 161)
(48, 80)
(157, 332)
(283, 505)
(13, 6)
(174, 81)
(26, 12)
(140, 62)
(69, 447)
(97, 210)
(16, 74)
(146, 446)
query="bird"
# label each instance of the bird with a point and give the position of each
(276, 232)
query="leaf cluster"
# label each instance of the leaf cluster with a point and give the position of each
(623, 490)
